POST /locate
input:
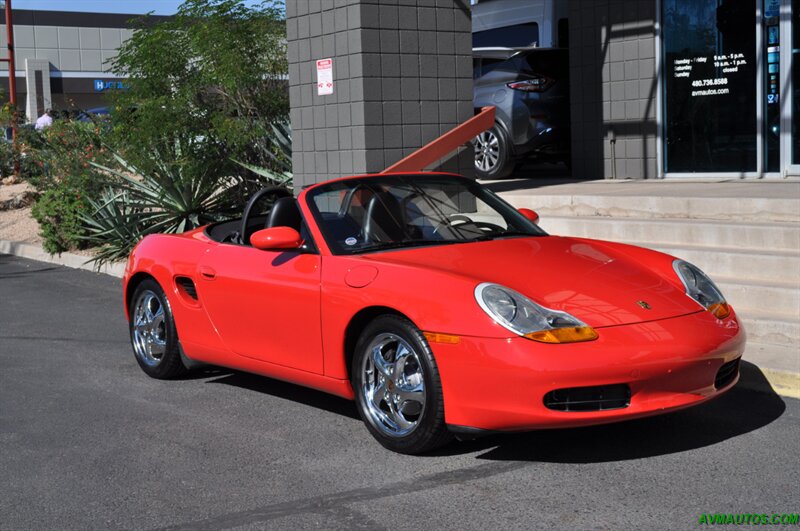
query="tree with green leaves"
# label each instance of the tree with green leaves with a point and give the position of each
(213, 77)
(206, 92)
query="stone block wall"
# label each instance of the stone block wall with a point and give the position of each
(613, 86)
(402, 73)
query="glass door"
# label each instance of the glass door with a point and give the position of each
(771, 86)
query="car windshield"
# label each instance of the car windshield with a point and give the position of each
(400, 211)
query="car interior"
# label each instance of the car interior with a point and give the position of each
(267, 208)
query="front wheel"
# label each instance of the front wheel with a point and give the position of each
(153, 334)
(397, 386)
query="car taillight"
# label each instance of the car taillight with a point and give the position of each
(534, 84)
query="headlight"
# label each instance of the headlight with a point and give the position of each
(700, 288)
(519, 314)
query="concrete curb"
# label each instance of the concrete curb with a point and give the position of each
(35, 252)
(784, 383)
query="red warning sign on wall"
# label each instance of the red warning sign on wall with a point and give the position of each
(324, 77)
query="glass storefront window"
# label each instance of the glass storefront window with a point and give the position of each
(709, 58)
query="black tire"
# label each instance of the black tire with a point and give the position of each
(392, 335)
(154, 337)
(493, 159)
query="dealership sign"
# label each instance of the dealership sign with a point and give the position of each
(101, 85)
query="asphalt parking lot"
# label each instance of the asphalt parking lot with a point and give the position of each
(87, 441)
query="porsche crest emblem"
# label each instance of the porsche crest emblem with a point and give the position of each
(644, 305)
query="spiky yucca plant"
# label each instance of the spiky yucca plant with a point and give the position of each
(163, 200)
(177, 193)
(281, 138)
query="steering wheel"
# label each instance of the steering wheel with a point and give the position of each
(244, 237)
(464, 220)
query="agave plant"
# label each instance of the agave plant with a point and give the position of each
(170, 198)
(176, 193)
(281, 138)
(178, 199)
(114, 225)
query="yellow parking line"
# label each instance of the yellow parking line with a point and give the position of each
(784, 383)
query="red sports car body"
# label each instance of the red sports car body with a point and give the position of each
(438, 307)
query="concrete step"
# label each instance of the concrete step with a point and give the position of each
(751, 209)
(754, 267)
(736, 234)
(775, 297)
(773, 329)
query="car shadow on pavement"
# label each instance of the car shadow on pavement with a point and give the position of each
(288, 391)
(750, 405)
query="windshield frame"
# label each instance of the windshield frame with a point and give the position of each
(519, 225)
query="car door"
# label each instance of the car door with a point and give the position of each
(265, 305)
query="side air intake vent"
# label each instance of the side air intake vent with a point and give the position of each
(600, 398)
(727, 373)
(186, 285)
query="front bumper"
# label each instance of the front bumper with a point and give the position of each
(669, 364)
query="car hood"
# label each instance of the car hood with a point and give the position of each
(593, 281)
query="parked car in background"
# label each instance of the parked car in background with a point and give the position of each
(529, 88)
(91, 115)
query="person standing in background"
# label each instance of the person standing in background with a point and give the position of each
(45, 120)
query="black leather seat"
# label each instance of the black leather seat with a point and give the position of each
(383, 220)
(284, 213)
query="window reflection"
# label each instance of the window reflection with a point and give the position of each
(709, 85)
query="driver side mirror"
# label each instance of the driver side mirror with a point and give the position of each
(276, 238)
(530, 215)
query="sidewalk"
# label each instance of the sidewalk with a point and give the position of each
(722, 188)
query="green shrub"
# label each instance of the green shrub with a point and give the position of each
(67, 180)
(59, 212)
(64, 152)
(6, 158)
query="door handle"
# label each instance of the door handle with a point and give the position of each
(207, 273)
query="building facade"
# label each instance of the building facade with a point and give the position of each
(678, 88)
(63, 58)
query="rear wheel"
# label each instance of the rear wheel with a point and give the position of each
(492, 154)
(153, 334)
(397, 387)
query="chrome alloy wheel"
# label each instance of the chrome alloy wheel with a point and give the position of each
(149, 329)
(487, 151)
(393, 385)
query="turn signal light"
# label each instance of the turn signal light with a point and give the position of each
(564, 335)
(721, 310)
(447, 339)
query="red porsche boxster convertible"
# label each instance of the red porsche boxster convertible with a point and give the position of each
(435, 305)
